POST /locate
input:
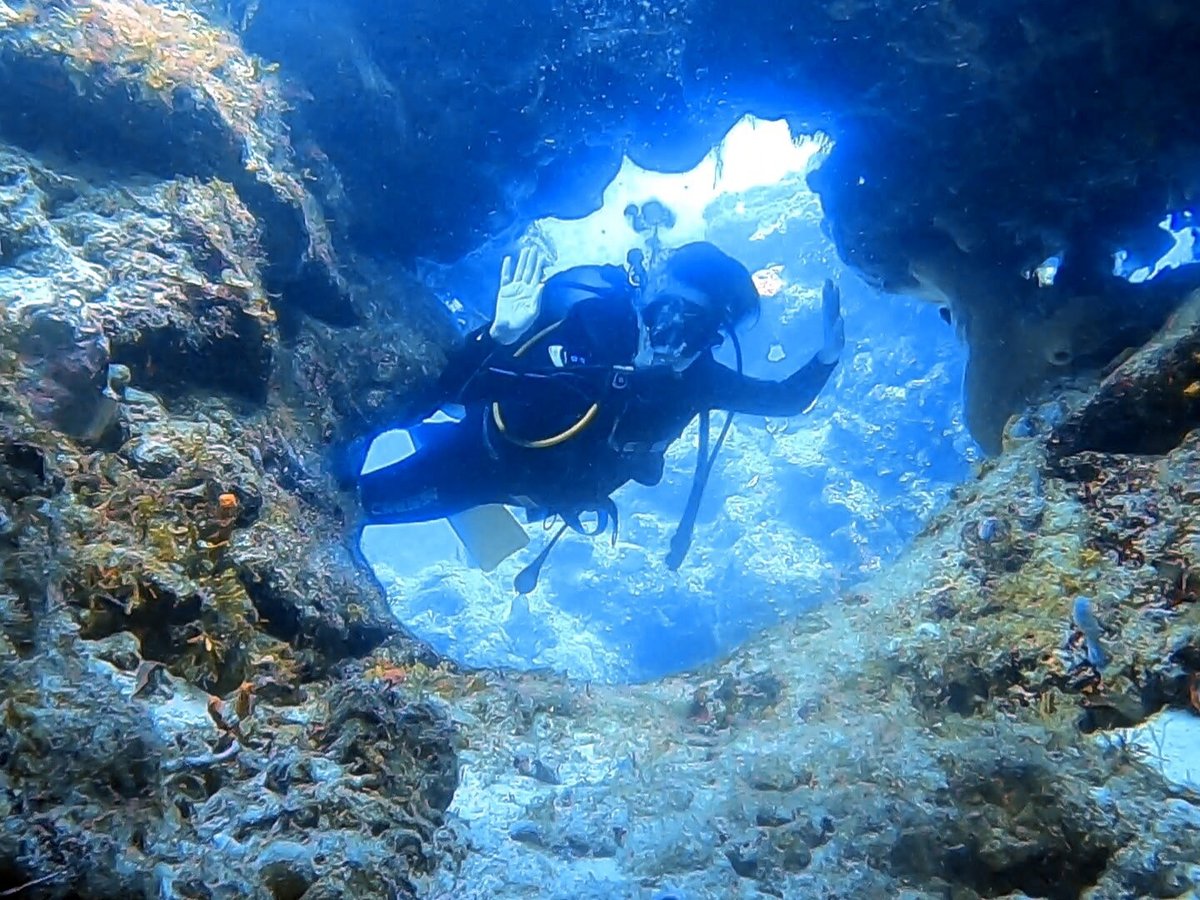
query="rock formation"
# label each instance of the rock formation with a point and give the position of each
(203, 694)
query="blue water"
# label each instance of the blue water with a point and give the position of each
(797, 510)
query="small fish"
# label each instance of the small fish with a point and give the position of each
(988, 529)
(1084, 616)
(532, 767)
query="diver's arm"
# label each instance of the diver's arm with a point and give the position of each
(463, 366)
(466, 377)
(717, 387)
(794, 395)
(518, 302)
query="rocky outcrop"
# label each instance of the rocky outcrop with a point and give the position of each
(956, 726)
(154, 89)
(1147, 404)
(177, 583)
(202, 695)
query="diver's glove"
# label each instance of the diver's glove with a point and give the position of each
(520, 295)
(834, 324)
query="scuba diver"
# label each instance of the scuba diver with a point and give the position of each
(578, 386)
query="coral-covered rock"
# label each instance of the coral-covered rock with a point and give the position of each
(151, 88)
(1146, 404)
(107, 769)
(164, 278)
(67, 352)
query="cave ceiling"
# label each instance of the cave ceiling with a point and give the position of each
(972, 140)
(1010, 130)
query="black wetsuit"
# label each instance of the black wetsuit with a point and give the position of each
(578, 355)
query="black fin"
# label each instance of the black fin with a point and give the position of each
(615, 516)
(527, 578)
(681, 541)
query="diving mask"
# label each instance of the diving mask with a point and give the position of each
(677, 329)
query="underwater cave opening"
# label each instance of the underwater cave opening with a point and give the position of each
(796, 509)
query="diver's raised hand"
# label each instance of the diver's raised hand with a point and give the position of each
(520, 294)
(834, 326)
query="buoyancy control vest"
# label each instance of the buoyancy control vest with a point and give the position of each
(583, 345)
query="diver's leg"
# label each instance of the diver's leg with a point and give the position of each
(449, 474)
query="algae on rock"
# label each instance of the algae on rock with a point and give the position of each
(176, 589)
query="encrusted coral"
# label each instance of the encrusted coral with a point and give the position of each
(176, 94)
(174, 563)
(174, 569)
(182, 712)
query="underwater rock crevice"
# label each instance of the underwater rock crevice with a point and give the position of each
(23, 468)
(221, 365)
(309, 621)
(1149, 404)
(1011, 829)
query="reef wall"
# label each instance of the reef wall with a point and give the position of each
(203, 695)
(176, 587)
